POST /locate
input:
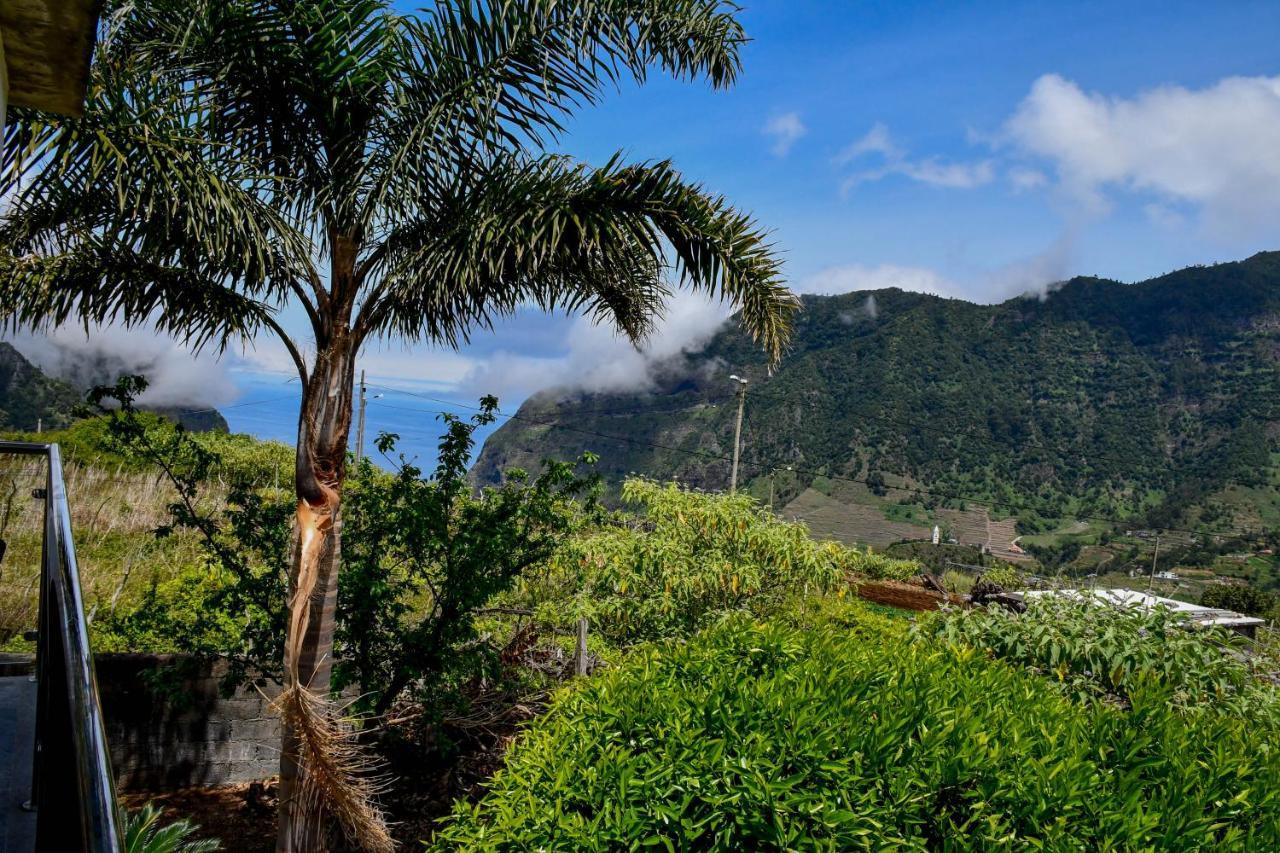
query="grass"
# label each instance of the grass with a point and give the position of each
(114, 515)
(1084, 532)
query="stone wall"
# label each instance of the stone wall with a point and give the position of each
(185, 732)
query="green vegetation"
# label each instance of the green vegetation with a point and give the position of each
(383, 175)
(423, 555)
(855, 736)
(29, 398)
(240, 457)
(1141, 402)
(1242, 599)
(1097, 651)
(742, 698)
(144, 833)
(684, 560)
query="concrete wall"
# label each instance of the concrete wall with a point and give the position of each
(186, 733)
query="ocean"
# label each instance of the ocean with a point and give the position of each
(267, 408)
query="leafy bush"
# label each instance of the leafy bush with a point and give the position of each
(1099, 650)
(1240, 598)
(960, 583)
(1004, 576)
(777, 737)
(240, 458)
(869, 564)
(682, 562)
(423, 555)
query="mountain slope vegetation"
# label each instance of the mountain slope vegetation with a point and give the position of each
(1154, 403)
(28, 398)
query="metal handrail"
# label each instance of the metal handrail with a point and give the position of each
(73, 789)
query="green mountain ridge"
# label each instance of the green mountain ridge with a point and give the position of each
(1154, 403)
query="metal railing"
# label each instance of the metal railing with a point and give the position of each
(73, 790)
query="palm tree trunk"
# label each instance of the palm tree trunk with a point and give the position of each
(323, 429)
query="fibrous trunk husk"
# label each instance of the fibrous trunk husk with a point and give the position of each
(324, 775)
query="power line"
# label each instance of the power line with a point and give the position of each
(985, 502)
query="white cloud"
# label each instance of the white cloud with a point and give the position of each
(176, 375)
(1032, 275)
(870, 307)
(595, 358)
(1024, 179)
(785, 130)
(875, 141)
(894, 160)
(851, 277)
(1164, 216)
(1214, 148)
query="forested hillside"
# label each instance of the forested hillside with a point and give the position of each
(28, 398)
(1154, 402)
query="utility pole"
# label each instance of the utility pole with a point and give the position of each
(360, 426)
(772, 474)
(737, 431)
(1154, 555)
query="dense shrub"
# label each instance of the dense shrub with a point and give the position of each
(685, 559)
(869, 564)
(777, 737)
(1098, 651)
(1240, 598)
(422, 554)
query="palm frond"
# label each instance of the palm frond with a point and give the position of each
(557, 234)
(97, 283)
(476, 76)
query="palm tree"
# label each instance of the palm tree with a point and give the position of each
(242, 164)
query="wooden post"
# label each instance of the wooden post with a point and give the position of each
(580, 654)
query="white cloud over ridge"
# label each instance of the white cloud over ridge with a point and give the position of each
(850, 277)
(1034, 275)
(176, 375)
(595, 358)
(1212, 148)
(785, 130)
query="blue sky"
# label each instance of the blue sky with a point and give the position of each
(970, 149)
(977, 150)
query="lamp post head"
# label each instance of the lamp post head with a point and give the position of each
(737, 378)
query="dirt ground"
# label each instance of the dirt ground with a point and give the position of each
(242, 817)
